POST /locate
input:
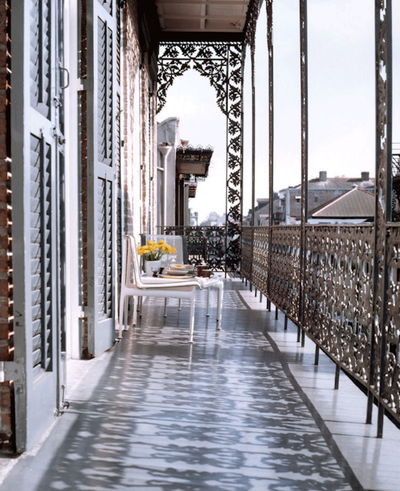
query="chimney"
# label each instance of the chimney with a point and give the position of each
(323, 175)
(365, 176)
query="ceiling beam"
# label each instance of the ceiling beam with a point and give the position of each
(178, 30)
(203, 17)
(228, 3)
(219, 36)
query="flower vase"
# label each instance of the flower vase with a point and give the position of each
(151, 266)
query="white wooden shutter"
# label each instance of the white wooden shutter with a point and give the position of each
(102, 87)
(35, 212)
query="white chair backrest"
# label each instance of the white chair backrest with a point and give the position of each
(173, 241)
(131, 270)
(130, 263)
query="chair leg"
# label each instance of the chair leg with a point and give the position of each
(135, 306)
(208, 303)
(122, 302)
(165, 306)
(220, 287)
(191, 325)
(140, 304)
(125, 313)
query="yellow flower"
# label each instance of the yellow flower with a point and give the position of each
(153, 251)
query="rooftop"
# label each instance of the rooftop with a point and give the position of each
(325, 182)
(193, 160)
(356, 203)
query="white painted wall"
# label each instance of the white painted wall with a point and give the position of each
(168, 132)
(73, 309)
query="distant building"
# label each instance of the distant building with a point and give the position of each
(321, 190)
(354, 206)
(261, 212)
(179, 167)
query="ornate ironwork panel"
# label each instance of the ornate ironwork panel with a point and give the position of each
(260, 259)
(391, 386)
(222, 64)
(203, 243)
(339, 293)
(247, 253)
(284, 282)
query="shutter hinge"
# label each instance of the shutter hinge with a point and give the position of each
(11, 371)
(57, 102)
(59, 137)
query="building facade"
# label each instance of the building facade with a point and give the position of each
(78, 153)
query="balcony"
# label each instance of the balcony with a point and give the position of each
(244, 408)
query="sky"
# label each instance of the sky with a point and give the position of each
(341, 78)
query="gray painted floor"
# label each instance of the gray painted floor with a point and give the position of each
(241, 409)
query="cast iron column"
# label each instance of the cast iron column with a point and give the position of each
(304, 155)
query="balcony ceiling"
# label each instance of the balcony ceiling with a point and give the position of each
(202, 19)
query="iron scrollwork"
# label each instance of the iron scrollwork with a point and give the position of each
(204, 243)
(391, 390)
(380, 355)
(222, 64)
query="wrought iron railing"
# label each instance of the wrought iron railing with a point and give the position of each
(205, 243)
(333, 302)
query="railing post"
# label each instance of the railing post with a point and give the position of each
(253, 126)
(337, 375)
(383, 73)
(316, 357)
(269, 6)
(304, 156)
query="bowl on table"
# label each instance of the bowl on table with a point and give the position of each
(181, 267)
(176, 272)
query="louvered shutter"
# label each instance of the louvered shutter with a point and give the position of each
(103, 148)
(35, 152)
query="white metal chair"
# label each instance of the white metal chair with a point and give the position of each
(133, 284)
(179, 257)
